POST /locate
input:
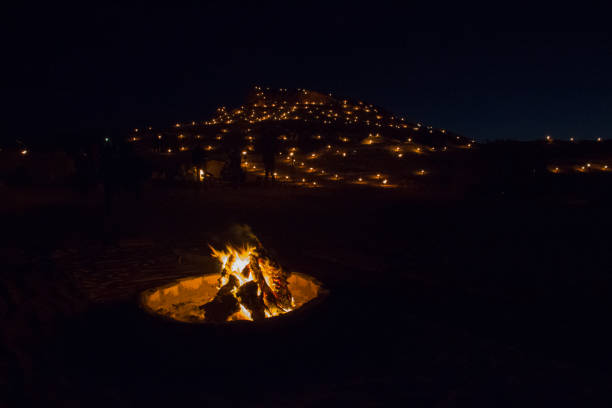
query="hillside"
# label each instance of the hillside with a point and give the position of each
(321, 139)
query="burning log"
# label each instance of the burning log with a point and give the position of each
(227, 268)
(280, 285)
(278, 277)
(232, 282)
(246, 272)
(220, 308)
(267, 292)
(224, 303)
(247, 295)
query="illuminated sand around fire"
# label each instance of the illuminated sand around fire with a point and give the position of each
(181, 300)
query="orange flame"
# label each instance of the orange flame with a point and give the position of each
(240, 259)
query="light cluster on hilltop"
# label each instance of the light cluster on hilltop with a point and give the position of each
(304, 111)
(307, 106)
(340, 139)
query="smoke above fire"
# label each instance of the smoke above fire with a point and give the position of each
(236, 235)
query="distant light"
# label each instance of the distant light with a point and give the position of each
(24, 152)
(106, 139)
(599, 139)
(385, 181)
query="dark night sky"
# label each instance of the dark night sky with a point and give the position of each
(488, 72)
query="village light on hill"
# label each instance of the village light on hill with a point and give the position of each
(272, 107)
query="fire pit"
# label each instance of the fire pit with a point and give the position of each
(250, 286)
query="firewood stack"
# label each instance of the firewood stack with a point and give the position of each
(256, 295)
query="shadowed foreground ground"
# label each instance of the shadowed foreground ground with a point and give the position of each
(433, 302)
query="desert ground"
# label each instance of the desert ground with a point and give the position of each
(434, 300)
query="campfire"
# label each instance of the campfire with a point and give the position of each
(250, 285)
